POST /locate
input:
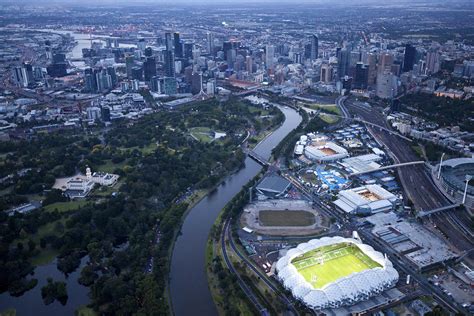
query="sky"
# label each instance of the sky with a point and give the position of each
(230, 2)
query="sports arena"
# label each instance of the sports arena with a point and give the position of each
(453, 179)
(334, 271)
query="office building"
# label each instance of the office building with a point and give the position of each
(169, 86)
(168, 42)
(386, 85)
(178, 47)
(210, 43)
(361, 76)
(196, 83)
(269, 56)
(149, 68)
(314, 47)
(343, 63)
(409, 58)
(168, 57)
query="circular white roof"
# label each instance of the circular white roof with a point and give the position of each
(344, 291)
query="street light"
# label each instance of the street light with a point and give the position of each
(468, 178)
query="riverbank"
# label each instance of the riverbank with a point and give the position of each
(189, 256)
(203, 194)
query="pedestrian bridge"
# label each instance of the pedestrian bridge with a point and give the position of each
(258, 158)
(389, 167)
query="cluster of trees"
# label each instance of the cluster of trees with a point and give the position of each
(442, 110)
(158, 162)
(54, 291)
(17, 249)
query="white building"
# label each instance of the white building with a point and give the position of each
(366, 200)
(325, 152)
(363, 163)
(345, 291)
(106, 179)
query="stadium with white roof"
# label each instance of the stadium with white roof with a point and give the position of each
(366, 199)
(342, 291)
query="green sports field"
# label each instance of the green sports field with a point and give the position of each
(327, 264)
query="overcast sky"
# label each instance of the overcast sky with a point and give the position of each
(217, 2)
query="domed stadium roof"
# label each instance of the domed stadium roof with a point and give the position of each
(346, 288)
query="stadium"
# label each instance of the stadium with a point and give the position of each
(334, 271)
(453, 179)
(325, 152)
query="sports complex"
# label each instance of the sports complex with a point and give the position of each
(334, 271)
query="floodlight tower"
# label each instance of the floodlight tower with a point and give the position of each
(468, 178)
(440, 165)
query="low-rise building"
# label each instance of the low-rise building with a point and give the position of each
(367, 199)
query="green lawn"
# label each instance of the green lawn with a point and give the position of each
(109, 166)
(328, 264)
(325, 107)
(8, 312)
(328, 118)
(286, 218)
(65, 206)
(202, 134)
(85, 311)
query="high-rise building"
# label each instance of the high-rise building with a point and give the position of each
(23, 75)
(168, 41)
(385, 63)
(137, 73)
(372, 65)
(113, 75)
(188, 50)
(129, 63)
(343, 63)
(196, 83)
(314, 47)
(249, 64)
(155, 84)
(211, 87)
(149, 68)
(89, 79)
(386, 85)
(18, 76)
(269, 56)
(105, 113)
(229, 45)
(210, 43)
(432, 61)
(57, 70)
(361, 76)
(409, 58)
(169, 63)
(169, 86)
(178, 47)
(326, 73)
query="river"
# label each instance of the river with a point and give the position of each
(190, 293)
(31, 302)
(83, 41)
